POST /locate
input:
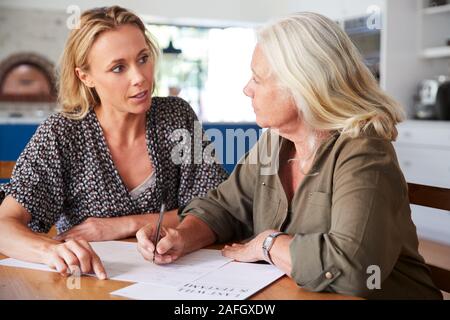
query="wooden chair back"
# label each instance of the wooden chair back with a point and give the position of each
(438, 198)
(6, 168)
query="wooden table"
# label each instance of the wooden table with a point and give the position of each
(20, 283)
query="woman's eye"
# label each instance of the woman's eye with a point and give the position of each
(254, 80)
(144, 59)
(117, 69)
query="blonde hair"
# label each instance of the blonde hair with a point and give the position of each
(320, 68)
(74, 97)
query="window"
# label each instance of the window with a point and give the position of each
(210, 72)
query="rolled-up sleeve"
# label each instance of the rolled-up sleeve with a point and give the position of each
(368, 198)
(228, 209)
(37, 181)
(203, 173)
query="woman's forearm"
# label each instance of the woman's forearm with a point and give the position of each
(19, 242)
(105, 229)
(196, 234)
(135, 222)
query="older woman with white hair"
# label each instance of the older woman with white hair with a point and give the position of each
(332, 204)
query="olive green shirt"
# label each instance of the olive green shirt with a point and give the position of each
(349, 216)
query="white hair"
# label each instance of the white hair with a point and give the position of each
(320, 68)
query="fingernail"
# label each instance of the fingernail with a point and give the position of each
(102, 276)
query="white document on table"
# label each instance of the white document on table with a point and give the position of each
(233, 281)
(123, 262)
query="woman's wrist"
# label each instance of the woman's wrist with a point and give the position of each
(45, 250)
(263, 237)
(135, 222)
(129, 225)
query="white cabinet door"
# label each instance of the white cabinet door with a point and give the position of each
(424, 165)
(437, 135)
(431, 223)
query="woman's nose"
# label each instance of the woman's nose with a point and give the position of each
(137, 77)
(247, 90)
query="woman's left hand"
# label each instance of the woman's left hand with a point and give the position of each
(247, 252)
(96, 229)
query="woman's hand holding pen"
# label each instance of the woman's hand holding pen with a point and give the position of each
(72, 256)
(169, 248)
(190, 235)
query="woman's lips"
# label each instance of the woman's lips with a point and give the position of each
(140, 96)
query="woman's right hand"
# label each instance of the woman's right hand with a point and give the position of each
(169, 248)
(73, 255)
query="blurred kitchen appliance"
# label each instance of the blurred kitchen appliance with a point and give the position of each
(436, 3)
(433, 99)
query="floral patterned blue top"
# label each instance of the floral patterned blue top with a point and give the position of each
(66, 173)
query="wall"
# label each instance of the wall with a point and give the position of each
(40, 26)
(250, 11)
(36, 30)
(231, 10)
(335, 9)
(24, 21)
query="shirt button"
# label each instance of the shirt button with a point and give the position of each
(329, 275)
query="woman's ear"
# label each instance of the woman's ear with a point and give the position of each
(84, 77)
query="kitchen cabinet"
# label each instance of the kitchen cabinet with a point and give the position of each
(435, 30)
(423, 151)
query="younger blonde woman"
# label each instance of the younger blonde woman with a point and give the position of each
(98, 169)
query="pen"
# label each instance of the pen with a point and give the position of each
(158, 228)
